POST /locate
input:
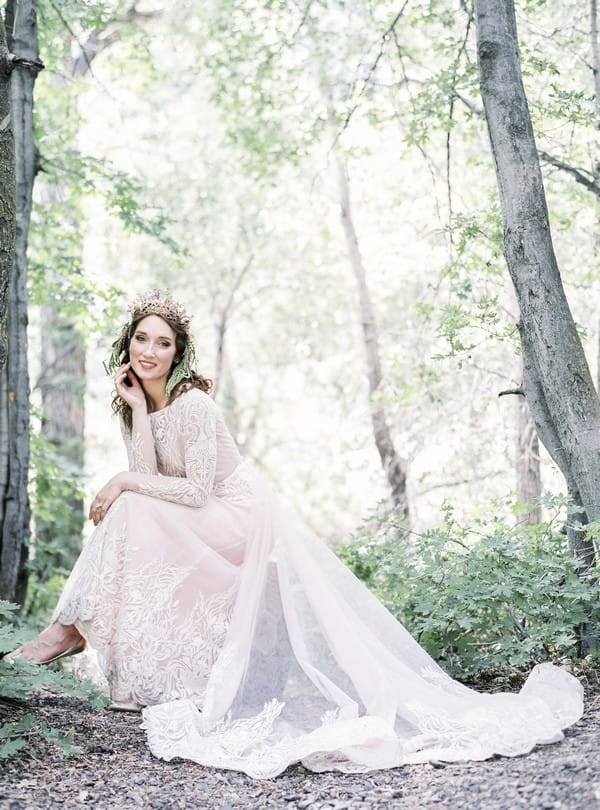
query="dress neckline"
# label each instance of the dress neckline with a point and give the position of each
(161, 410)
(170, 404)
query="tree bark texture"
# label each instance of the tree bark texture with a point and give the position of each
(557, 381)
(21, 30)
(390, 460)
(8, 220)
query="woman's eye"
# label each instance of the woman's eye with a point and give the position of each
(139, 338)
(165, 345)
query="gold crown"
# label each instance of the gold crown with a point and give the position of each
(159, 302)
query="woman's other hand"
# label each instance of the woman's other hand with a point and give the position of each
(105, 497)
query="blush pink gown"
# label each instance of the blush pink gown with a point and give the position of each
(251, 646)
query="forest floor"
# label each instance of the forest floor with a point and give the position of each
(115, 769)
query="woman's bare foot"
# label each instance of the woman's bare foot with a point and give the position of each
(54, 642)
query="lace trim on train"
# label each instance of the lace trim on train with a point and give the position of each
(254, 744)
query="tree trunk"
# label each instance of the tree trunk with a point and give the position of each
(557, 381)
(62, 386)
(529, 483)
(14, 383)
(528, 477)
(390, 460)
(8, 222)
(595, 47)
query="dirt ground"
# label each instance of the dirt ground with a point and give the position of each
(116, 770)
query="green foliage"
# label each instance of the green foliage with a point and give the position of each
(56, 264)
(69, 179)
(15, 736)
(19, 680)
(55, 485)
(481, 597)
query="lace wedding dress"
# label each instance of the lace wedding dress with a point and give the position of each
(252, 646)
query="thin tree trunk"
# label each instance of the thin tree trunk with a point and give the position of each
(10, 557)
(8, 222)
(390, 460)
(222, 322)
(528, 477)
(557, 381)
(14, 382)
(62, 386)
(529, 482)
(595, 47)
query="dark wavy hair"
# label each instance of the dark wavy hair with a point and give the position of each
(195, 380)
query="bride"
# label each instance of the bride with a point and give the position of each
(242, 638)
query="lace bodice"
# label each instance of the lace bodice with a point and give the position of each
(194, 450)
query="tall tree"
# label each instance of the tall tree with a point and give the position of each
(557, 381)
(391, 462)
(595, 48)
(22, 42)
(7, 194)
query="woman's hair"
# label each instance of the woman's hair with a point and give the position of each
(194, 380)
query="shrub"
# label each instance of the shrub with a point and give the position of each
(481, 597)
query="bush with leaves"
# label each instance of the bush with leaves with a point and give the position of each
(55, 485)
(479, 598)
(19, 680)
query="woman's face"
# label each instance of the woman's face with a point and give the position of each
(152, 350)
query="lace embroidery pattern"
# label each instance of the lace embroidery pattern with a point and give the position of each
(484, 728)
(149, 648)
(135, 454)
(252, 744)
(237, 487)
(191, 419)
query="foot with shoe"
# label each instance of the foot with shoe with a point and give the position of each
(56, 641)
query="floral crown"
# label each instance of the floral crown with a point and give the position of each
(159, 302)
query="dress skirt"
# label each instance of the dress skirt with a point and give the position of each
(251, 646)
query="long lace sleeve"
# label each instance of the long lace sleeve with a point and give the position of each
(136, 454)
(196, 423)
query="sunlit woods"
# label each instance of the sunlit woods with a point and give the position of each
(200, 154)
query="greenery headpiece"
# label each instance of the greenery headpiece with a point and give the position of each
(157, 302)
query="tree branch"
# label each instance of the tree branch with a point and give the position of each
(518, 391)
(581, 176)
(389, 31)
(95, 44)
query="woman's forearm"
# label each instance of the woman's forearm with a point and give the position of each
(142, 452)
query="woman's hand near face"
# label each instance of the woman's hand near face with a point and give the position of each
(133, 394)
(106, 497)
